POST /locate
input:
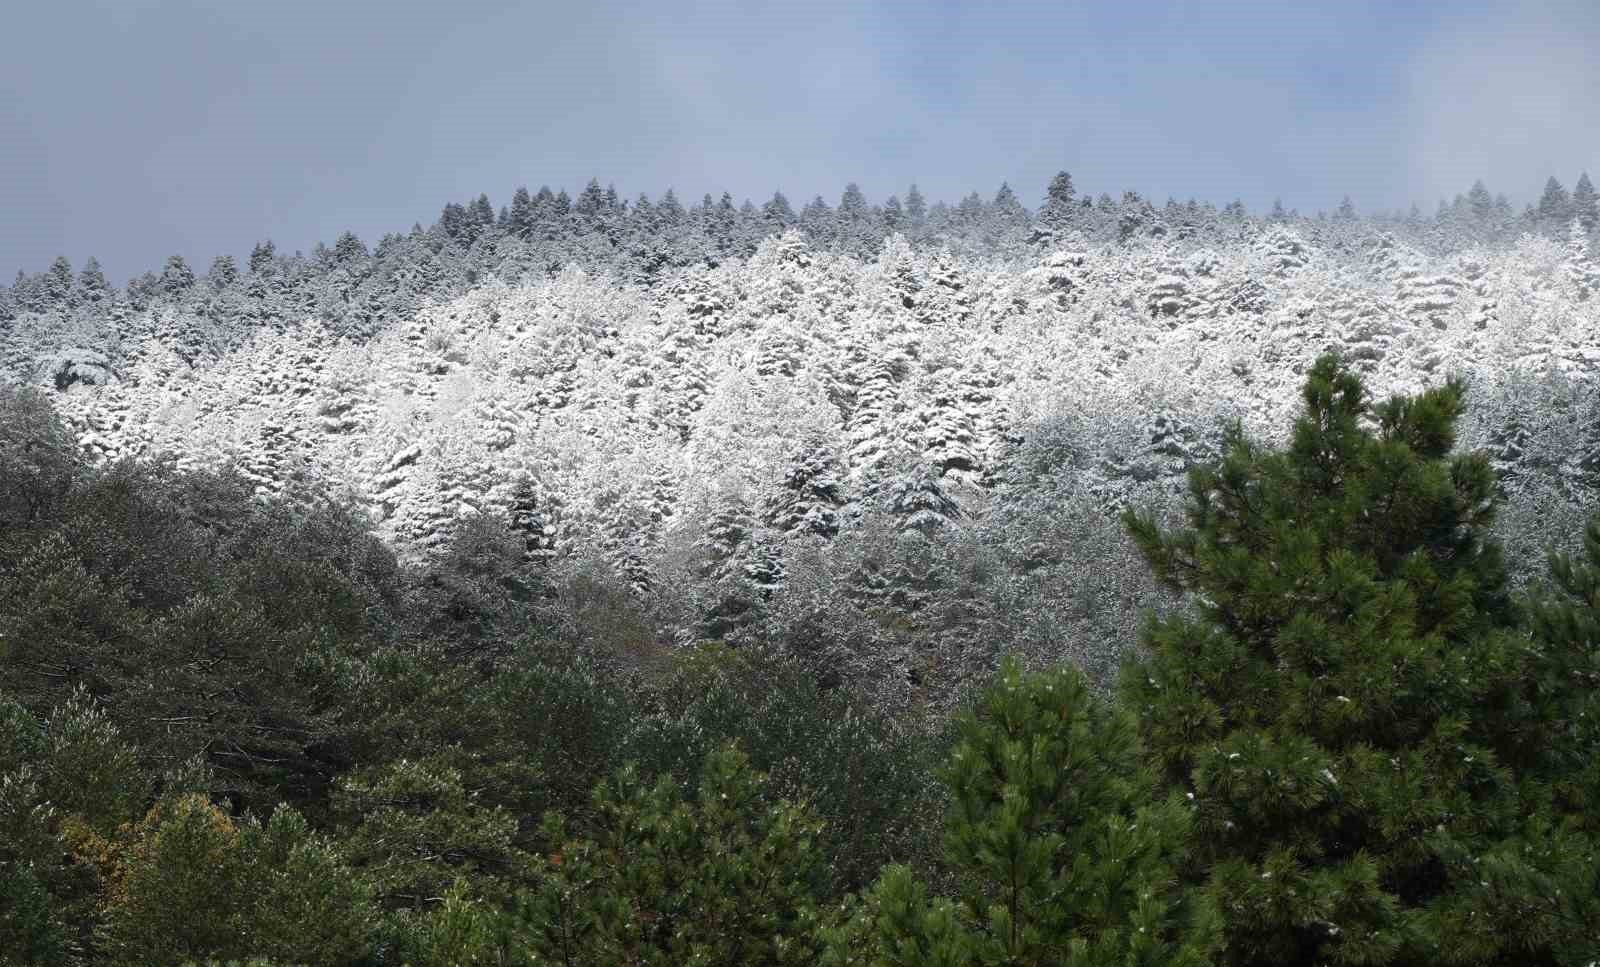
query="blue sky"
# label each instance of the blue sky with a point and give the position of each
(134, 129)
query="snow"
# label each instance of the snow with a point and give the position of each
(926, 393)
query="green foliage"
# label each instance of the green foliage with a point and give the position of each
(38, 461)
(1566, 627)
(413, 829)
(179, 895)
(91, 772)
(728, 878)
(1063, 854)
(1349, 704)
(867, 776)
(64, 783)
(194, 884)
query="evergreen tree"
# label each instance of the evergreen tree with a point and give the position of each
(519, 220)
(1555, 206)
(894, 215)
(1063, 854)
(1585, 203)
(853, 219)
(1480, 202)
(729, 878)
(1348, 708)
(224, 272)
(176, 277)
(92, 284)
(916, 208)
(480, 217)
(1566, 624)
(349, 250)
(57, 283)
(456, 224)
(1055, 216)
(263, 258)
(817, 221)
(777, 213)
(1346, 211)
(1007, 220)
(589, 206)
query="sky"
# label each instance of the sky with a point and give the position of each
(135, 129)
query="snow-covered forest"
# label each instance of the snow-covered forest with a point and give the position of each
(888, 434)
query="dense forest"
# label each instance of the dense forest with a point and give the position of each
(593, 582)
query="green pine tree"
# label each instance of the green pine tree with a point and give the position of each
(1348, 704)
(729, 878)
(1064, 854)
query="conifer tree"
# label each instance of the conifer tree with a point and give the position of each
(1585, 203)
(263, 258)
(223, 272)
(1566, 625)
(729, 878)
(92, 284)
(1056, 214)
(58, 283)
(1063, 854)
(480, 216)
(1480, 202)
(176, 277)
(778, 213)
(519, 220)
(1555, 206)
(916, 207)
(1348, 706)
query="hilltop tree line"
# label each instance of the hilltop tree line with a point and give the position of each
(240, 730)
(361, 288)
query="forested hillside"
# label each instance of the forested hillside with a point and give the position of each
(891, 430)
(880, 584)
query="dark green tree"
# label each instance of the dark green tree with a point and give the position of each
(1348, 703)
(1063, 852)
(729, 878)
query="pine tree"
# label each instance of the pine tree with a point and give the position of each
(1348, 707)
(1007, 220)
(92, 284)
(1585, 203)
(1055, 217)
(729, 878)
(777, 213)
(176, 277)
(894, 215)
(224, 271)
(480, 216)
(58, 283)
(1063, 853)
(916, 208)
(263, 258)
(1555, 206)
(519, 220)
(1480, 202)
(349, 250)
(1566, 623)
